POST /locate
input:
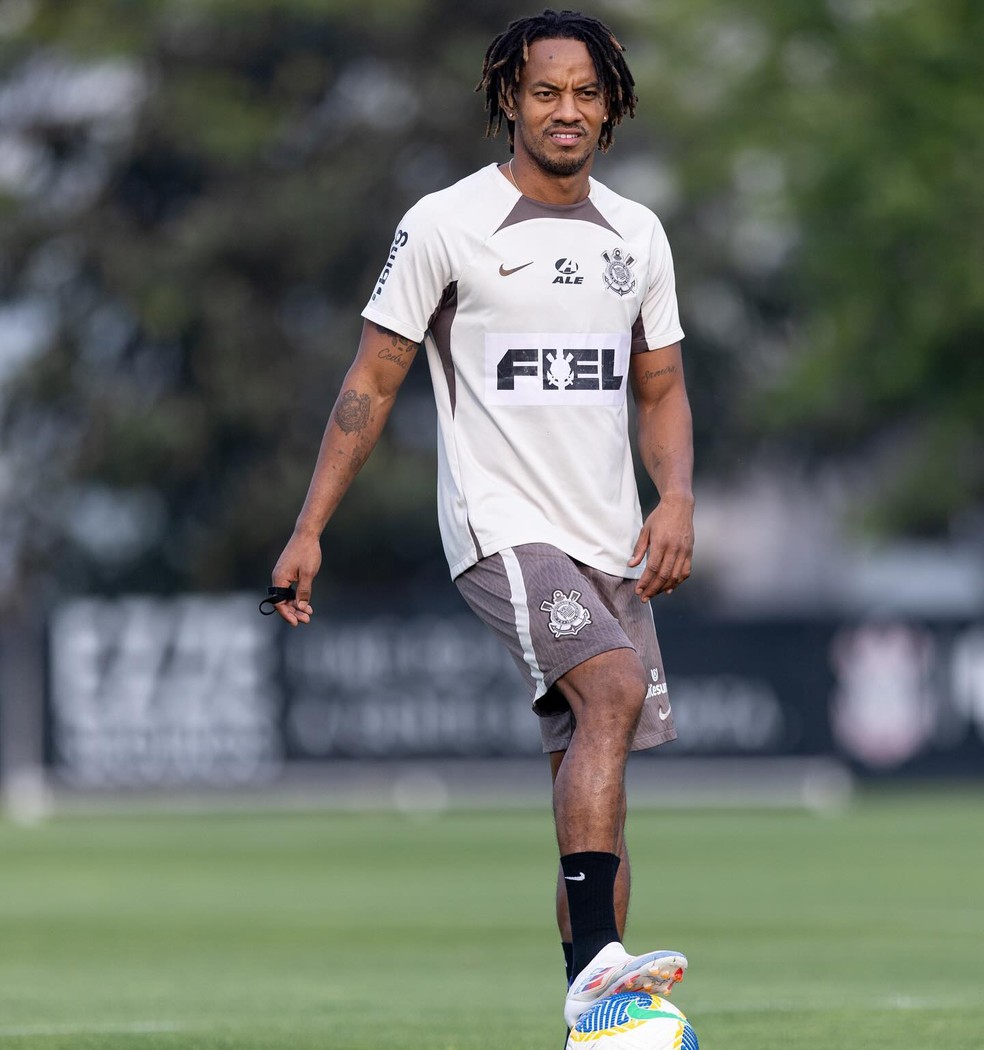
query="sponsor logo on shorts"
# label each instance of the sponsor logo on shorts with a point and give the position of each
(567, 614)
(658, 688)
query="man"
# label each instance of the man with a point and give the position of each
(540, 295)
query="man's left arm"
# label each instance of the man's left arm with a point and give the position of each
(665, 441)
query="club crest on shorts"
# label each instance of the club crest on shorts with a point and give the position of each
(567, 614)
(618, 273)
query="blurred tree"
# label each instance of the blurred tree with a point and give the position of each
(829, 156)
(199, 236)
(197, 198)
(885, 140)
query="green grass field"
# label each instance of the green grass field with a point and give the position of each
(381, 932)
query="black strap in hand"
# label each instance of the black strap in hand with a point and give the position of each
(276, 595)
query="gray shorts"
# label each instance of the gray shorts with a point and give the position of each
(554, 613)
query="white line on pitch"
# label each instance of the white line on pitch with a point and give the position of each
(109, 1028)
(890, 1002)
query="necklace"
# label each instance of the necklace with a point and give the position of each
(509, 172)
(512, 178)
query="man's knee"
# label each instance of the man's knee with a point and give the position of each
(609, 688)
(627, 688)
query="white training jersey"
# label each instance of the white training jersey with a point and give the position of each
(529, 313)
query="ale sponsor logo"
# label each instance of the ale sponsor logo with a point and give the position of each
(567, 272)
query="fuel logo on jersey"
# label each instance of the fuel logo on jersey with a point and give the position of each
(539, 368)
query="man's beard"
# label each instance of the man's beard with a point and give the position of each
(562, 165)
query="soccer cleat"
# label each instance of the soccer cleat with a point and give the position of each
(613, 971)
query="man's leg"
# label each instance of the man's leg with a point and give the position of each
(622, 882)
(606, 695)
(605, 664)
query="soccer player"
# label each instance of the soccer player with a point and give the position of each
(541, 296)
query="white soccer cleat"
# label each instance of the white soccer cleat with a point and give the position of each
(613, 971)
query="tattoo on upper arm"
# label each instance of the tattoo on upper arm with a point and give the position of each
(400, 351)
(352, 411)
(655, 374)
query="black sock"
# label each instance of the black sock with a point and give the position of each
(568, 960)
(590, 882)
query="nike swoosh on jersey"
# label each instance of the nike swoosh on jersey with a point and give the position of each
(503, 272)
(664, 715)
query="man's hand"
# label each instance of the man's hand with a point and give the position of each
(298, 564)
(667, 542)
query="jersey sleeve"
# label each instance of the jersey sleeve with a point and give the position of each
(413, 279)
(658, 324)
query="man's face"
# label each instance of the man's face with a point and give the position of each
(559, 107)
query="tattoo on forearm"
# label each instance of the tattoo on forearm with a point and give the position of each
(352, 411)
(393, 355)
(648, 374)
(400, 341)
(400, 346)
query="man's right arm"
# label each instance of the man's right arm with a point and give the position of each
(357, 420)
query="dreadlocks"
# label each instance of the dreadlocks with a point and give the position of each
(508, 53)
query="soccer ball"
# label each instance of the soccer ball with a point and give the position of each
(632, 1021)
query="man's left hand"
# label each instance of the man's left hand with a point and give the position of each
(666, 541)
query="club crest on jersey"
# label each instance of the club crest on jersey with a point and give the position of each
(567, 614)
(618, 272)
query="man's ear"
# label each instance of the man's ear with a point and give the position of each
(508, 106)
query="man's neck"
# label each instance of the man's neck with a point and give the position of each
(533, 182)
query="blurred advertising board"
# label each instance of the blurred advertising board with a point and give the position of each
(202, 690)
(154, 691)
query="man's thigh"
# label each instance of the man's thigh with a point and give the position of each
(553, 614)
